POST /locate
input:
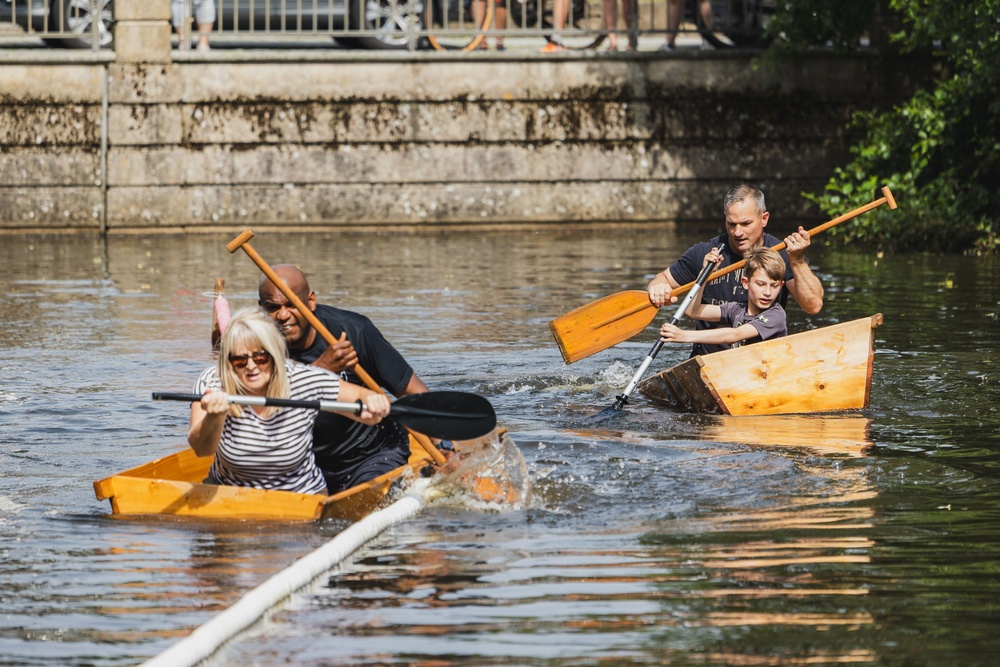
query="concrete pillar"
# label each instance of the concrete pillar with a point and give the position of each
(142, 31)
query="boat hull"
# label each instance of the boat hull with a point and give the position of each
(173, 485)
(823, 370)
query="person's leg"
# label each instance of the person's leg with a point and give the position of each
(675, 12)
(206, 18)
(611, 23)
(631, 9)
(179, 19)
(705, 9)
(393, 456)
(560, 10)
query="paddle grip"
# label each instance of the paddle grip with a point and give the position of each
(166, 396)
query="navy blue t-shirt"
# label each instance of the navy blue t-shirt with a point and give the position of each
(721, 290)
(340, 443)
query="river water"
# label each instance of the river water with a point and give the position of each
(651, 538)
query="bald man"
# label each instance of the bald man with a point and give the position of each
(348, 452)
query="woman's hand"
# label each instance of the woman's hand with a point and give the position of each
(208, 416)
(215, 402)
(376, 407)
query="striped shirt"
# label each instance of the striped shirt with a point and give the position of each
(276, 452)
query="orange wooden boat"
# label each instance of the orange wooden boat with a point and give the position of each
(173, 485)
(823, 370)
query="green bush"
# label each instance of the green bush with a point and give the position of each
(938, 151)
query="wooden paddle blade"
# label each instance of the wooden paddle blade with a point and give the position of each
(602, 323)
(450, 415)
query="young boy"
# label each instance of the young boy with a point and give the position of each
(760, 319)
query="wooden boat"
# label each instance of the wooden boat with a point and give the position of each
(173, 485)
(823, 370)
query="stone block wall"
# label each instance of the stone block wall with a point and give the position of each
(373, 141)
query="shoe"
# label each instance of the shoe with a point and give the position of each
(501, 47)
(553, 47)
(666, 47)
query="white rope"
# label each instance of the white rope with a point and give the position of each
(208, 638)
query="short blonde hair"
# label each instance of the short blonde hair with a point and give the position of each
(252, 329)
(765, 258)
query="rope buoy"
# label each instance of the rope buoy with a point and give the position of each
(208, 638)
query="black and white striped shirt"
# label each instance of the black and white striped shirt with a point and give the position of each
(273, 453)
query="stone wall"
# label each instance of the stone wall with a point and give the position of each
(152, 140)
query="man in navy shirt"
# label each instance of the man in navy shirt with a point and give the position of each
(347, 451)
(746, 218)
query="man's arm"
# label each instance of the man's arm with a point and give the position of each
(804, 286)
(414, 386)
(660, 287)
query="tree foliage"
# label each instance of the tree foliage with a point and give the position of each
(940, 150)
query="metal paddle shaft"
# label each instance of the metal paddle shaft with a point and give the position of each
(450, 415)
(622, 398)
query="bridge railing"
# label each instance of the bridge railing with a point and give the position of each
(403, 24)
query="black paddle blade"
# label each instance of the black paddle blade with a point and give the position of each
(449, 415)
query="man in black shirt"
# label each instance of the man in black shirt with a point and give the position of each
(347, 451)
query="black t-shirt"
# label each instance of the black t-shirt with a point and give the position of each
(721, 290)
(340, 443)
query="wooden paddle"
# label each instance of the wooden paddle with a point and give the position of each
(610, 320)
(242, 241)
(452, 415)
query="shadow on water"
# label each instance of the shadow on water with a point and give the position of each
(650, 537)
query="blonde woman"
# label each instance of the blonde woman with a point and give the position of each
(259, 446)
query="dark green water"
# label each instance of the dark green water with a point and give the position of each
(651, 539)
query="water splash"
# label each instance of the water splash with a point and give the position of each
(489, 474)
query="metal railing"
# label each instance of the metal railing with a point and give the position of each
(407, 24)
(68, 23)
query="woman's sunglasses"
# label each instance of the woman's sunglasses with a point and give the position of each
(259, 358)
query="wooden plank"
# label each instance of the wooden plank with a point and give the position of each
(139, 496)
(822, 370)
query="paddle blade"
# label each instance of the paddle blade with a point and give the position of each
(601, 324)
(450, 415)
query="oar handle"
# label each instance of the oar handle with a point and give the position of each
(886, 198)
(354, 408)
(242, 241)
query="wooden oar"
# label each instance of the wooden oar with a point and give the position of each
(612, 319)
(452, 415)
(699, 282)
(242, 241)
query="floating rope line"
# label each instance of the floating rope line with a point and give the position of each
(209, 637)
